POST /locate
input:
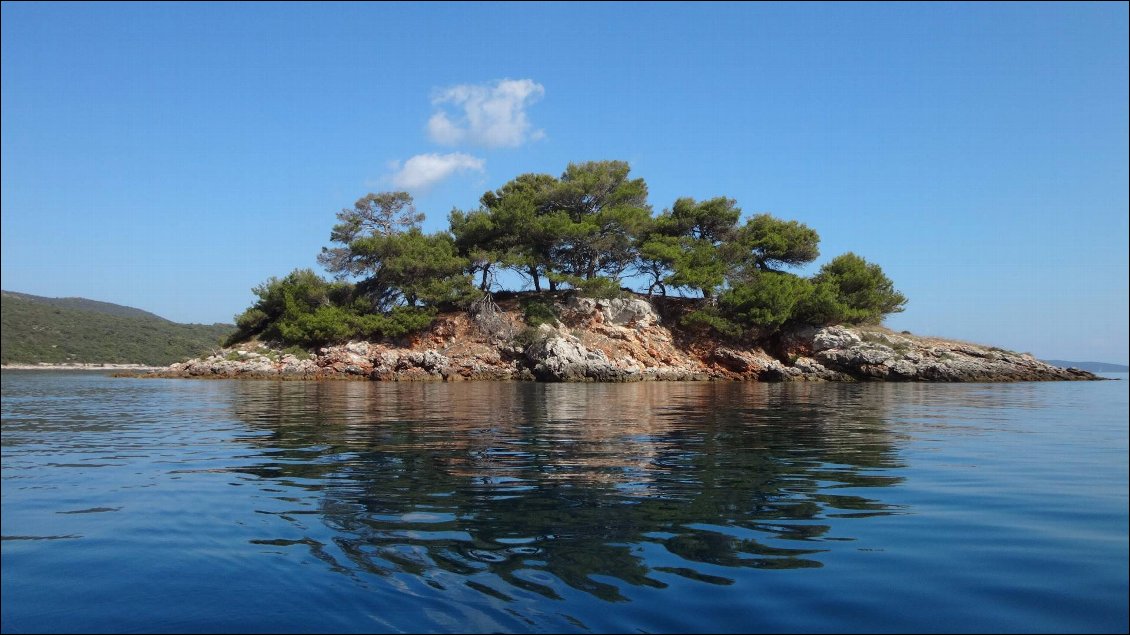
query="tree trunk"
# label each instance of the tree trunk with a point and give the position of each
(537, 279)
(483, 286)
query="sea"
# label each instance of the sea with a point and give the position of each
(221, 506)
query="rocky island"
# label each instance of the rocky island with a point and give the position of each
(621, 340)
(689, 294)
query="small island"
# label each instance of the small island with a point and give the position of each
(713, 299)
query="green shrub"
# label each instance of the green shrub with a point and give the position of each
(820, 306)
(398, 322)
(325, 325)
(455, 291)
(766, 302)
(528, 337)
(297, 351)
(332, 324)
(708, 319)
(284, 302)
(600, 288)
(863, 293)
(308, 311)
(538, 311)
(252, 320)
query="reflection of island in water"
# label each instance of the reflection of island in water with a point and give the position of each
(522, 480)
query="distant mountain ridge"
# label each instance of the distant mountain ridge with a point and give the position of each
(38, 329)
(1093, 367)
(83, 304)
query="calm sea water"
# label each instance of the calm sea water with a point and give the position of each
(229, 506)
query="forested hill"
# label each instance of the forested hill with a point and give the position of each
(61, 330)
(82, 304)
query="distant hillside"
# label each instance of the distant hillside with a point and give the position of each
(34, 329)
(1093, 367)
(82, 304)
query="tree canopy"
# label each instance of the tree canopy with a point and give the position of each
(566, 230)
(766, 243)
(864, 293)
(590, 229)
(682, 247)
(381, 214)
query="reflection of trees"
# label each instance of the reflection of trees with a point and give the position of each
(523, 480)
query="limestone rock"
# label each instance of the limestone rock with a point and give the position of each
(558, 357)
(834, 337)
(635, 312)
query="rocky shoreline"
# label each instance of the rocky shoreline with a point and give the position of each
(624, 340)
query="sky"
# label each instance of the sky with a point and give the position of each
(173, 156)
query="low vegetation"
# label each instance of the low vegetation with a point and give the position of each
(591, 229)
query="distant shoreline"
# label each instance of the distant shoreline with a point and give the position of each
(76, 366)
(1092, 367)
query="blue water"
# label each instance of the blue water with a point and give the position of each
(234, 506)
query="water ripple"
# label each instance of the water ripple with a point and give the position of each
(561, 508)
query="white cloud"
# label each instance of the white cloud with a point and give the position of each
(486, 115)
(425, 170)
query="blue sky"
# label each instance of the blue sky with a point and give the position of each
(172, 156)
